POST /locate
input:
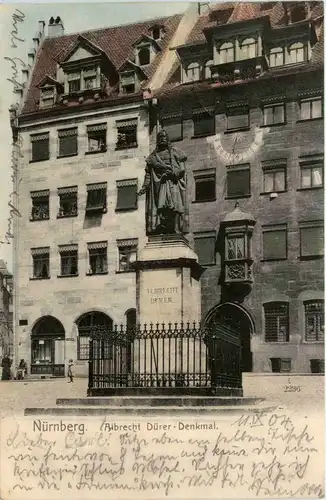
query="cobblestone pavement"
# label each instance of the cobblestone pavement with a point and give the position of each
(15, 396)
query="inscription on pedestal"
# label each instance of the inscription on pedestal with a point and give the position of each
(162, 295)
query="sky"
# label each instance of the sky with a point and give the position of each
(78, 16)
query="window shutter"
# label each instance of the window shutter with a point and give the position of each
(274, 244)
(127, 197)
(40, 147)
(67, 142)
(173, 128)
(311, 239)
(205, 249)
(238, 182)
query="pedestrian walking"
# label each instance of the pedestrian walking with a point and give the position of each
(70, 371)
(6, 367)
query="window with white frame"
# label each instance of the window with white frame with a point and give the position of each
(276, 321)
(276, 57)
(74, 82)
(274, 177)
(41, 262)
(208, 73)
(40, 205)
(226, 52)
(128, 82)
(297, 53)
(96, 135)
(311, 108)
(248, 48)
(314, 320)
(68, 203)
(48, 95)
(192, 72)
(311, 172)
(274, 114)
(127, 133)
(127, 254)
(97, 257)
(69, 260)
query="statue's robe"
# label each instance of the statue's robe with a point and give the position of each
(166, 195)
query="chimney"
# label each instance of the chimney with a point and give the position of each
(55, 27)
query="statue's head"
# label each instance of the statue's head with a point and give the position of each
(162, 139)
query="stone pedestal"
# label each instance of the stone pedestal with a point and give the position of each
(168, 293)
(168, 282)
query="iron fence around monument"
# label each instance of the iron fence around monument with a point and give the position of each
(165, 359)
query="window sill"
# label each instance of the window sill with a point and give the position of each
(67, 156)
(310, 188)
(274, 260)
(198, 136)
(204, 201)
(39, 220)
(121, 148)
(234, 197)
(126, 209)
(38, 279)
(310, 257)
(66, 216)
(309, 342)
(96, 211)
(67, 275)
(233, 130)
(264, 193)
(97, 274)
(96, 152)
(38, 161)
(273, 124)
(207, 265)
(268, 342)
(311, 119)
(126, 271)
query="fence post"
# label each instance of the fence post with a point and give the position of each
(90, 368)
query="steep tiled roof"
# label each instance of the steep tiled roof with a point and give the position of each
(227, 13)
(117, 43)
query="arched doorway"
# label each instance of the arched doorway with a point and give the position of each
(48, 347)
(239, 320)
(87, 324)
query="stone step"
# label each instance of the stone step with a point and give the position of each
(153, 401)
(144, 411)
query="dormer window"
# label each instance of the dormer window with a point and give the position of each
(297, 53)
(226, 52)
(144, 55)
(192, 73)
(47, 96)
(74, 82)
(128, 82)
(156, 32)
(298, 13)
(248, 48)
(90, 78)
(276, 57)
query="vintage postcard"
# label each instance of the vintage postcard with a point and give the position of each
(161, 250)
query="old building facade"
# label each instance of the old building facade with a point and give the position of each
(81, 130)
(239, 89)
(245, 103)
(6, 311)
